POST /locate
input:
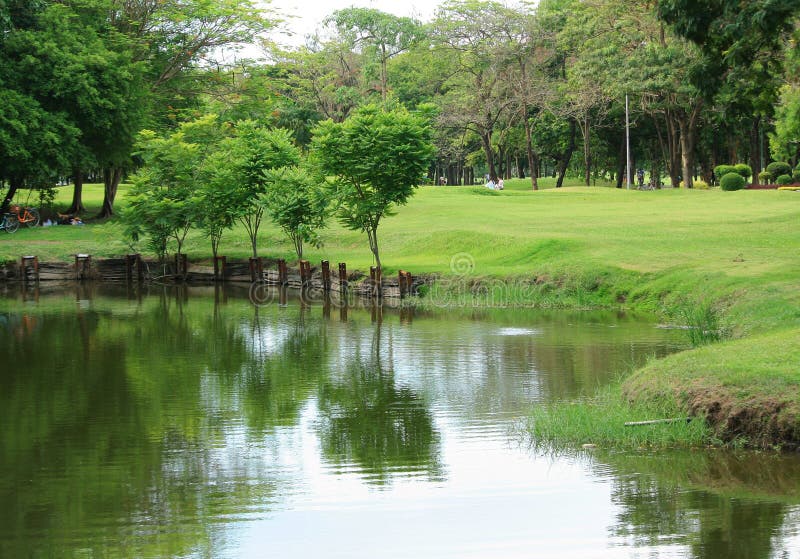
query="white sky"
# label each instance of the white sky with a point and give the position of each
(310, 13)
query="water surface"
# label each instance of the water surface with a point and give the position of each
(178, 424)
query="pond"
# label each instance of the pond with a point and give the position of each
(167, 422)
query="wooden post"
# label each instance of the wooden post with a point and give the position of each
(326, 275)
(181, 266)
(23, 266)
(401, 282)
(220, 262)
(283, 274)
(305, 272)
(256, 269)
(82, 264)
(375, 279)
(342, 275)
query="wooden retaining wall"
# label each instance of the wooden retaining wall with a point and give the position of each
(133, 268)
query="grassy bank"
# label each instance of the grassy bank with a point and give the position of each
(736, 252)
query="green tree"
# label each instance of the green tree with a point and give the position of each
(296, 205)
(377, 34)
(372, 161)
(239, 170)
(164, 202)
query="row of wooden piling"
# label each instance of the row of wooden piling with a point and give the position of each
(135, 270)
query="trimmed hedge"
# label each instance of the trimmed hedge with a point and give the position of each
(765, 177)
(744, 170)
(783, 180)
(732, 181)
(778, 168)
(722, 170)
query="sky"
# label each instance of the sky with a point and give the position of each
(310, 13)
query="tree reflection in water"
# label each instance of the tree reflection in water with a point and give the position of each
(369, 420)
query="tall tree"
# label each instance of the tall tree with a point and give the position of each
(377, 34)
(372, 161)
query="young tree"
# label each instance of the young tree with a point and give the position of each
(372, 161)
(296, 205)
(163, 203)
(239, 169)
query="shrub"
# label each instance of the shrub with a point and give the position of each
(699, 184)
(796, 177)
(744, 170)
(778, 168)
(783, 180)
(765, 177)
(732, 181)
(722, 170)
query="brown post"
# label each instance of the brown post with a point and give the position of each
(23, 266)
(220, 262)
(326, 275)
(305, 272)
(375, 278)
(401, 282)
(283, 274)
(82, 264)
(181, 265)
(256, 269)
(342, 274)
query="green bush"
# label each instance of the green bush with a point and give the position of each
(778, 168)
(732, 181)
(796, 177)
(765, 177)
(783, 180)
(744, 170)
(722, 170)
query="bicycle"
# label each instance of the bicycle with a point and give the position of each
(29, 217)
(9, 223)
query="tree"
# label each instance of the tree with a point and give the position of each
(372, 161)
(296, 205)
(239, 169)
(377, 33)
(163, 203)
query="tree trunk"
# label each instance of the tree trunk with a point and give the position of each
(754, 150)
(486, 142)
(13, 186)
(622, 162)
(372, 234)
(563, 164)
(673, 151)
(688, 129)
(587, 152)
(111, 178)
(77, 194)
(531, 156)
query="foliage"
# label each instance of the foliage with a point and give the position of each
(372, 161)
(732, 181)
(783, 180)
(743, 169)
(701, 320)
(765, 177)
(778, 168)
(296, 204)
(722, 170)
(163, 203)
(796, 177)
(238, 170)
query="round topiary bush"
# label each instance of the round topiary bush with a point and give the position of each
(744, 170)
(778, 168)
(732, 181)
(722, 170)
(765, 177)
(783, 180)
(796, 177)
